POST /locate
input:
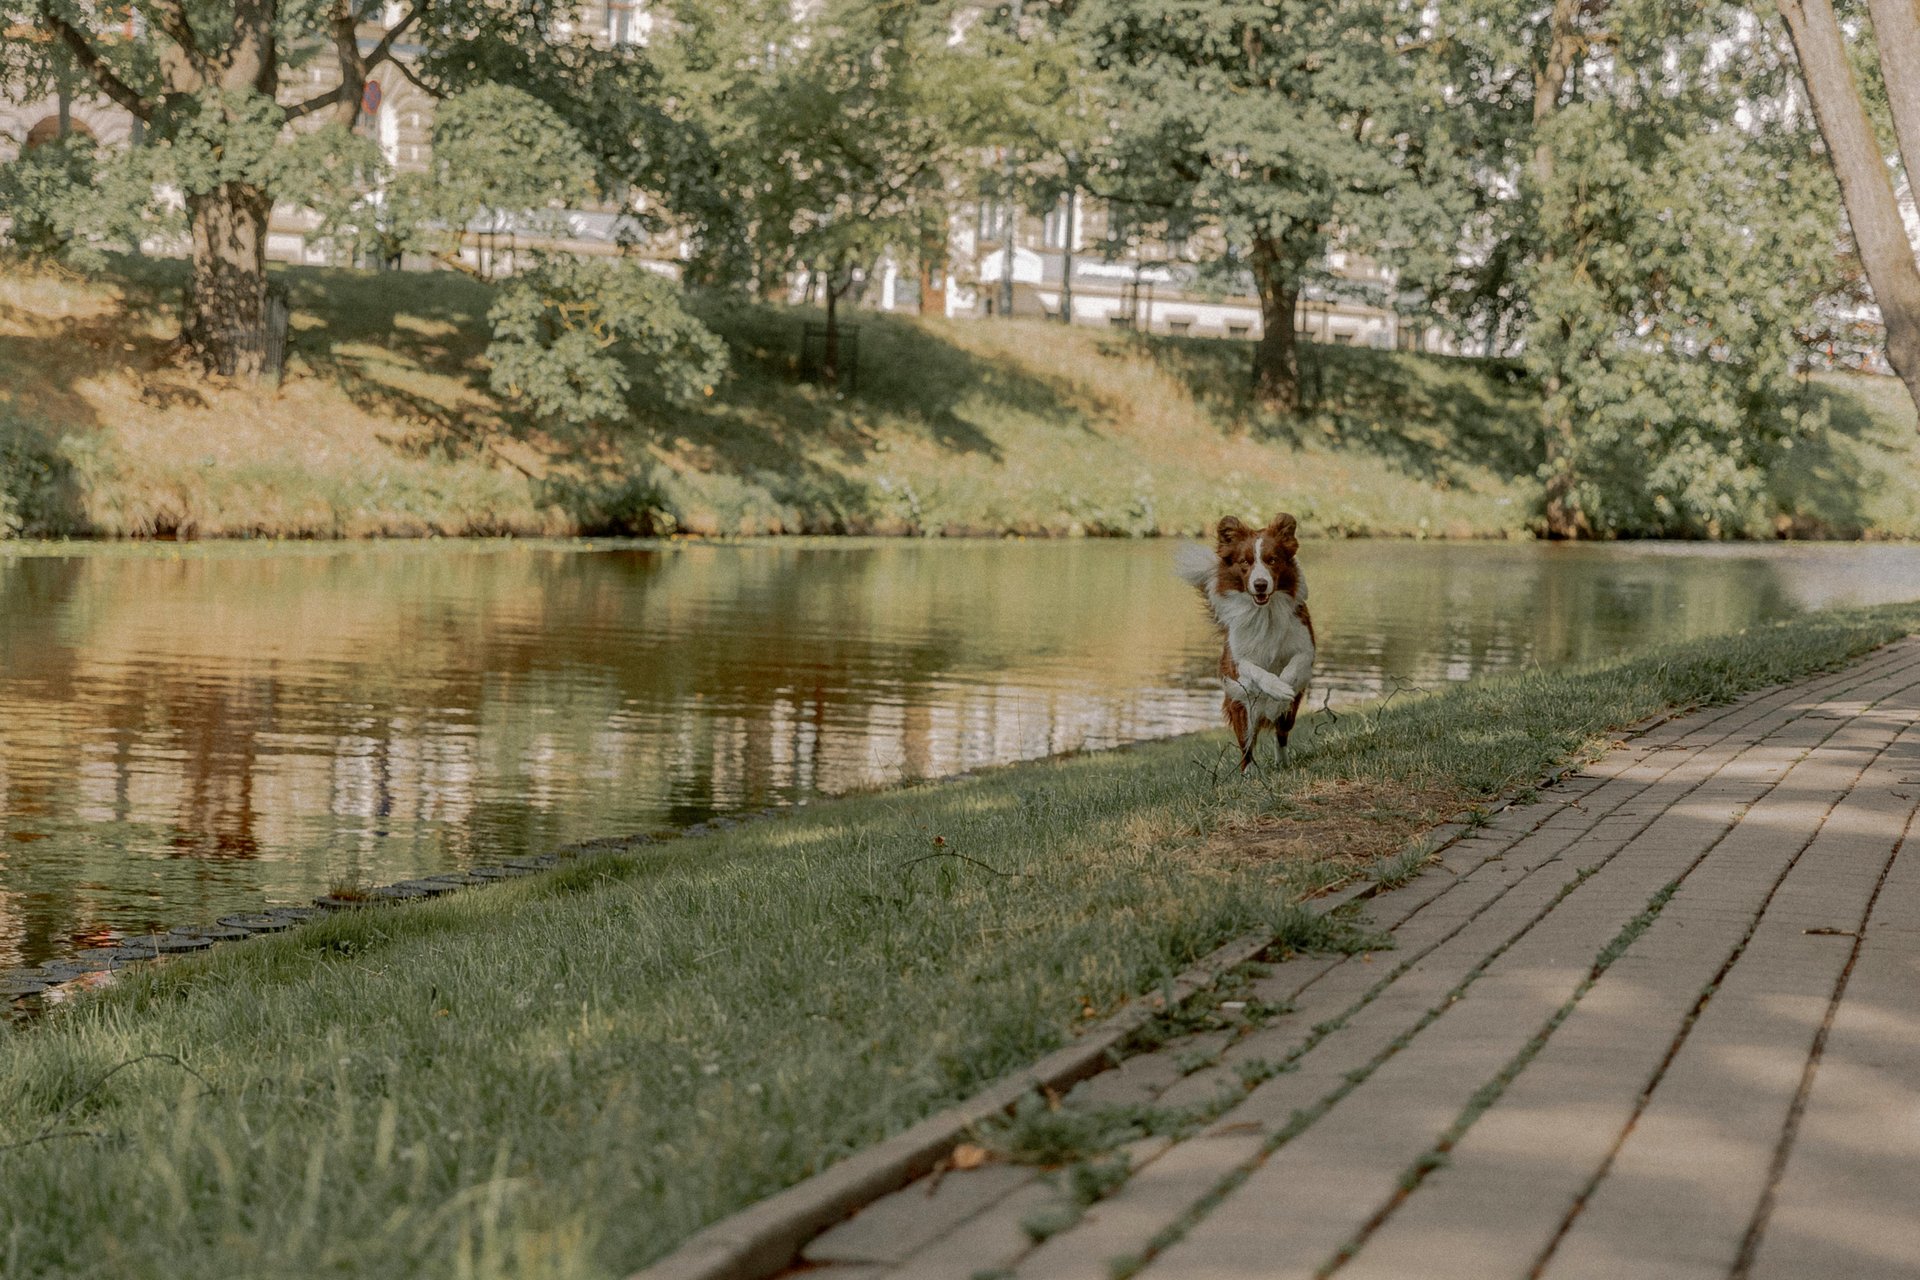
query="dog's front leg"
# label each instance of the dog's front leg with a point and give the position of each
(1240, 719)
(1267, 696)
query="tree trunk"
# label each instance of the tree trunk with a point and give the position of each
(1561, 511)
(1865, 188)
(830, 352)
(226, 314)
(1566, 519)
(933, 299)
(1276, 358)
(1066, 257)
(1896, 30)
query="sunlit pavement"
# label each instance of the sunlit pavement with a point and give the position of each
(1664, 1022)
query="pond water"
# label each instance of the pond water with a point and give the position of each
(186, 732)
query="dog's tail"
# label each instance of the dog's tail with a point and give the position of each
(1194, 563)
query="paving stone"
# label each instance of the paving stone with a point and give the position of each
(990, 1240)
(895, 1226)
(1125, 1223)
(1697, 1159)
(1138, 1079)
(1845, 1202)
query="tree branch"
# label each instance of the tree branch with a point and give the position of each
(407, 74)
(1896, 30)
(96, 67)
(354, 68)
(172, 16)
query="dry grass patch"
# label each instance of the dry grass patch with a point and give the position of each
(1339, 821)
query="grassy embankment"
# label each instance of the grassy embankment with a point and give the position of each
(385, 426)
(565, 1076)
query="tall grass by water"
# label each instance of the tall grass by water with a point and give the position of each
(566, 1076)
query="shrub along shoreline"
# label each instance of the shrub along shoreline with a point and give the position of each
(565, 1076)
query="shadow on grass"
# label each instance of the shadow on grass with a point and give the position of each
(1435, 418)
(764, 430)
(908, 372)
(45, 421)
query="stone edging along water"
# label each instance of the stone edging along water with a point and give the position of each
(43, 978)
(22, 988)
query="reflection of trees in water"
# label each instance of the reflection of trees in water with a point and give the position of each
(203, 729)
(372, 712)
(1429, 614)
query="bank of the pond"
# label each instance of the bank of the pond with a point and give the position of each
(566, 1076)
(385, 426)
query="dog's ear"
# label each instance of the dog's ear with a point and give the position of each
(1287, 530)
(1230, 529)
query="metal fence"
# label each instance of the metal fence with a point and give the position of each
(813, 355)
(275, 338)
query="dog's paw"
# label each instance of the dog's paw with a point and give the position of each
(1272, 686)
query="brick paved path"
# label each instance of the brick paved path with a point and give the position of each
(1664, 1023)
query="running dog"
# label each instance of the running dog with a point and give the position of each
(1253, 587)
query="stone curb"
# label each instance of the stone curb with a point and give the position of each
(764, 1238)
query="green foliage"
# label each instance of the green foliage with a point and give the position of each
(1679, 388)
(496, 147)
(66, 201)
(845, 138)
(1281, 127)
(1678, 251)
(34, 485)
(219, 137)
(572, 334)
(500, 156)
(331, 171)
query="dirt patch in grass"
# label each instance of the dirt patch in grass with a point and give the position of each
(1348, 822)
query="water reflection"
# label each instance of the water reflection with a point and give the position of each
(187, 734)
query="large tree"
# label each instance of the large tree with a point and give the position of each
(845, 131)
(1277, 127)
(1652, 233)
(213, 83)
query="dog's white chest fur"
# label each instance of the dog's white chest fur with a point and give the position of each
(1266, 635)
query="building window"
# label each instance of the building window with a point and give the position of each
(1054, 230)
(1179, 326)
(628, 22)
(994, 220)
(1238, 328)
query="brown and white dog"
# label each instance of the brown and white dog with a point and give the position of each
(1253, 587)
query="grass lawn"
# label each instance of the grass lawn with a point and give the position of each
(567, 1075)
(385, 426)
